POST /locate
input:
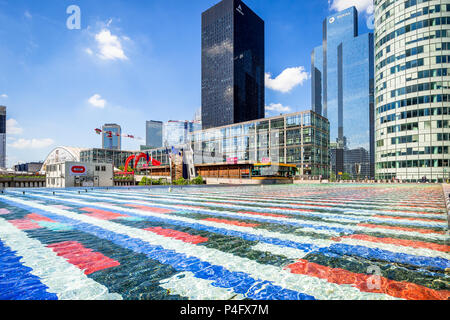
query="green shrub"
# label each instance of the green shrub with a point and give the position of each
(198, 180)
(181, 182)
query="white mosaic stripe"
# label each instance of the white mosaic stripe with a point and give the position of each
(312, 202)
(325, 216)
(423, 252)
(316, 287)
(187, 285)
(61, 277)
(418, 235)
(290, 253)
(288, 204)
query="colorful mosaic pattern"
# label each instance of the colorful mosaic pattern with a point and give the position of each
(306, 242)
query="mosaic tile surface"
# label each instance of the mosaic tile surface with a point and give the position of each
(273, 242)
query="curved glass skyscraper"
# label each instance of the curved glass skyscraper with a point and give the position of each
(412, 61)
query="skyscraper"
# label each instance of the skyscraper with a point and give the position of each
(154, 134)
(232, 65)
(2, 137)
(343, 84)
(112, 137)
(412, 90)
(176, 133)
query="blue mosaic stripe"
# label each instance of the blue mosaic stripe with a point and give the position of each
(379, 254)
(243, 235)
(356, 219)
(247, 217)
(342, 249)
(240, 282)
(16, 281)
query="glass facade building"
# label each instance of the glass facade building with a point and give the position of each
(154, 134)
(300, 138)
(232, 65)
(116, 157)
(176, 133)
(111, 137)
(2, 137)
(342, 76)
(412, 61)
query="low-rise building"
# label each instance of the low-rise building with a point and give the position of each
(300, 139)
(30, 167)
(79, 174)
(115, 157)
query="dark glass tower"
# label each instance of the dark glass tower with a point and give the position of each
(232, 65)
(2, 137)
(342, 76)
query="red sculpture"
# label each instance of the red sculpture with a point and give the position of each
(136, 161)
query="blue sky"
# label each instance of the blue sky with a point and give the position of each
(133, 61)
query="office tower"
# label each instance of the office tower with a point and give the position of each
(232, 65)
(112, 137)
(342, 80)
(154, 134)
(2, 137)
(412, 90)
(198, 115)
(176, 133)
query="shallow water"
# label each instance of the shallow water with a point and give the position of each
(263, 243)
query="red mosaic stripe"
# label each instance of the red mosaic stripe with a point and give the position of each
(233, 222)
(83, 258)
(102, 214)
(25, 224)
(407, 218)
(37, 217)
(376, 226)
(183, 236)
(403, 290)
(149, 209)
(264, 214)
(401, 242)
(293, 209)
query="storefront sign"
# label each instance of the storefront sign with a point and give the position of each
(78, 170)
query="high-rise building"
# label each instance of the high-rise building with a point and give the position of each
(154, 134)
(2, 137)
(176, 133)
(342, 79)
(112, 137)
(412, 90)
(232, 65)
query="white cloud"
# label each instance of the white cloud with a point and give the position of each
(32, 143)
(110, 46)
(287, 80)
(361, 5)
(4, 95)
(224, 47)
(89, 51)
(278, 108)
(97, 101)
(12, 127)
(28, 15)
